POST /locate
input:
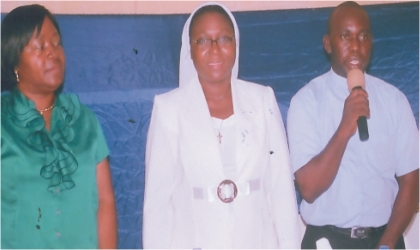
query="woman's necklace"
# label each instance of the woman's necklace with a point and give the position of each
(220, 135)
(41, 111)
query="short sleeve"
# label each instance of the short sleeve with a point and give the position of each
(102, 150)
(304, 141)
(407, 141)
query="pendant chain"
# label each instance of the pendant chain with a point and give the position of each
(41, 111)
(219, 134)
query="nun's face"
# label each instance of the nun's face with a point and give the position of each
(213, 47)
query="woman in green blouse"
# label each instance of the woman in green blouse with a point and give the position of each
(56, 188)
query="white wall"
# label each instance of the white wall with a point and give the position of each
(167, 7)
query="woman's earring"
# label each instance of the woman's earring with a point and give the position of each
(17, 76)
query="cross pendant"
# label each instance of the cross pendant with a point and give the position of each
(220, 137)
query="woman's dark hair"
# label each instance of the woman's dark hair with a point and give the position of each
(17, 29)
(209, 9)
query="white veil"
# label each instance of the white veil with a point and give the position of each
(187, 71)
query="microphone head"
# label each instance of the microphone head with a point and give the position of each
(355, 78)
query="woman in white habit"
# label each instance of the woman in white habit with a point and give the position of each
(217, 163)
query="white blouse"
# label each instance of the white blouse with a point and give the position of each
(225, 136)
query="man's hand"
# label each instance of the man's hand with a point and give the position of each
(355, 106)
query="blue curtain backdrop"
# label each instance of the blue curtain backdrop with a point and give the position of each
(117, 63)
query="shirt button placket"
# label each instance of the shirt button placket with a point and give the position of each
(57, 213)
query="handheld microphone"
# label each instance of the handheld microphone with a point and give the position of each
(356, 79)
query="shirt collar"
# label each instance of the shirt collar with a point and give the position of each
(337, 78)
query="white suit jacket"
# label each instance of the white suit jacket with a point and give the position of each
(184, 166)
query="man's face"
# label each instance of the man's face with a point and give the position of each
(349, 42)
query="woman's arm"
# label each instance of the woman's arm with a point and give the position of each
(159, 177)
(283, 197)
(107, 215)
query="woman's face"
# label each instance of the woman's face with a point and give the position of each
(42, 62)
(213, 61)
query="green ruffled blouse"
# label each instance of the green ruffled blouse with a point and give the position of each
(49, 195)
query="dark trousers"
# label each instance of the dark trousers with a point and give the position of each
(341, 241)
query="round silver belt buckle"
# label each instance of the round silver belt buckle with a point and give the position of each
(227, 191)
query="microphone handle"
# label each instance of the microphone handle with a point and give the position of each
(363, 128)
(362, 124)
